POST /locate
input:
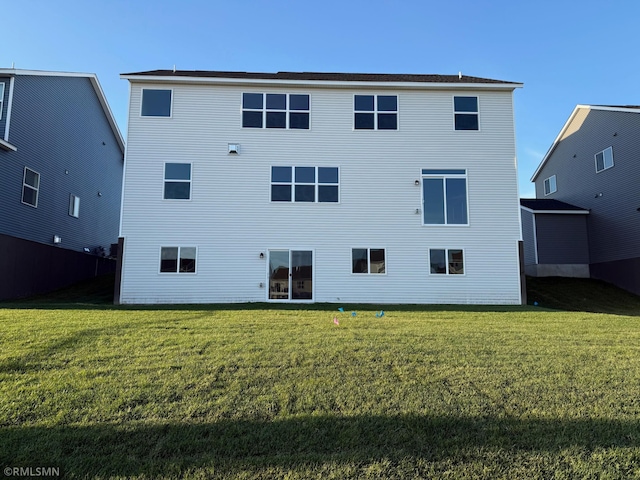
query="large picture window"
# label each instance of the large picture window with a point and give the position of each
(178, 259)
(305, 184)
(368, 260)
(446, 261)
(375, 112)
(275, 110)
(156, 103)
(604, 159)
(177, 181)
(30, 187)
(465, 112)
(444, 197)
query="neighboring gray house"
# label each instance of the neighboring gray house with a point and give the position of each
(61, 162)
(594, 167)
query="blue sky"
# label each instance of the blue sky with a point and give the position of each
(565, 52)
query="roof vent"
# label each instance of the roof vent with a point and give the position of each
(460, 75)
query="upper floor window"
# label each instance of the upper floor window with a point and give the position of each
(604, 159)
(275, 110)
(305, 184)
(465, 112)
(178, 259)
(156, 103)
(74, 206)
(444, 196)
(1, 98)
(177, 181)
(550, 185)
(30, 187)
(375, 112)
(368, 260)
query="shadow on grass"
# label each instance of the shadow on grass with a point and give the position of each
(229, 447)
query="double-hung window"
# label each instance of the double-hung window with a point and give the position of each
(465, 112)
(368, 260)
(275, 110)
(550, 185)
(305, 184)
(156, 103)
(178, 259)
(444, 197)
(375, 112)
(30, 187)
(446, 261)
(604, 159)
(177, 181)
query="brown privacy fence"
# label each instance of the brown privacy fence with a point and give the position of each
(29, 268)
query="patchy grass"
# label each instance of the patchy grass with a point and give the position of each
(255, 392)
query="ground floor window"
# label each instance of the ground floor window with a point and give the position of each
(446, 261)
(178, 259)
(368, 260)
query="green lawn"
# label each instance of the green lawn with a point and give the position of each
(256, 391)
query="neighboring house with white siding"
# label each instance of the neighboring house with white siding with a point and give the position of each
(319, 187)
(593, 166)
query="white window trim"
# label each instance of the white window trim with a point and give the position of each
(178, 272)
(453, 107)
(24, 184)
(595, 157)
(156, 116)
(369, 273)
(286, 111)
(375, 112)
(2, 88)
(74, 206)
(164, 180)
(444, 176)
(293, 184)
(446, 256)
(551, 190)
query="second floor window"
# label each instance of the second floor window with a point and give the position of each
(305, 184)
(550, 185)
(465, 112)
(444, 197)
(177, 181)
(30, 187)
(156, 103)
(604, 159)
(1, 99)
(375, 112)
(275, 110)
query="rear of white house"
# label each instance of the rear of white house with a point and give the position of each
(312, 187)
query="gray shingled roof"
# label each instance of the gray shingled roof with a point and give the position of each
(547, 204)
(319, 76)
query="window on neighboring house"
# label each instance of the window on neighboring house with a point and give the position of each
(375, 112)
(465, 112)
(368, 260)
(604, 159)
(1, 99)
(178, 260)
(30, 187)
(444, 197)
(177, 181)
(446, 261)
(305, 184)
(550, 185)
(74, 206)
(275, 110)
(156, 103)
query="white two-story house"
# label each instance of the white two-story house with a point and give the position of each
(319, 187)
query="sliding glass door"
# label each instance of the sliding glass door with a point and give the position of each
(290, 275)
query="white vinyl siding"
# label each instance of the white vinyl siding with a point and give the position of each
(232, 219)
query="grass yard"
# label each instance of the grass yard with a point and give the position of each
(257, 391)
